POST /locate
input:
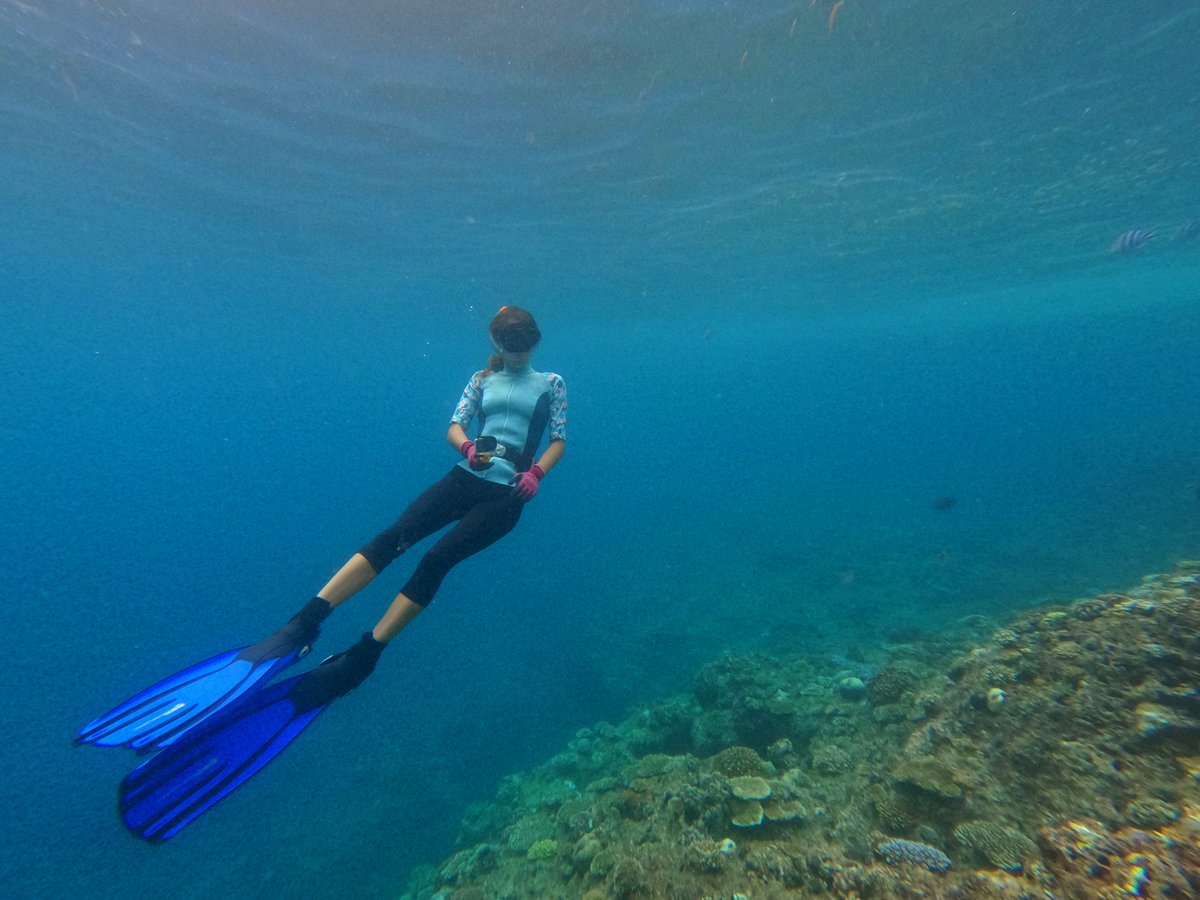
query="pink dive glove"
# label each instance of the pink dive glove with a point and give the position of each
(468, 451)
(525, 485)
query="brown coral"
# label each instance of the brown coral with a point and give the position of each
(891, 809)
(889, 684)
(830, 759)
(735, 761)
(1000, 846)
(634, 804)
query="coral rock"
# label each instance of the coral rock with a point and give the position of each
(852, 688)
(931, 774)
(1153, 720)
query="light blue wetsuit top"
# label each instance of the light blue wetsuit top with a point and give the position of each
(515, 406)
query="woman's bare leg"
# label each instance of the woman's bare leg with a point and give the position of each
(398, 616)
(351, 578)
(355, 575)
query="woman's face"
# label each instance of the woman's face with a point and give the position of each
(513, 331)
(498, 342)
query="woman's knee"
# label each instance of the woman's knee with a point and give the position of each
(382, 551)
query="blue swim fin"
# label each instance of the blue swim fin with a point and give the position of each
(181, 782)
(159, 715)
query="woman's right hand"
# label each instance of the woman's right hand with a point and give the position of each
(477, 461)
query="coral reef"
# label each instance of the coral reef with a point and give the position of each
(1059, 758)
(1089, 860)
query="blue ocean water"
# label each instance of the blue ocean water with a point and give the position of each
(806, 271)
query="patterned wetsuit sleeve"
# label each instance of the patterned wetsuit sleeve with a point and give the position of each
(469, 404)
(558, 407)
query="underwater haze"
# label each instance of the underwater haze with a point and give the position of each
(854, 301)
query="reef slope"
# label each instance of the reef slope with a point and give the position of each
(1057, 756)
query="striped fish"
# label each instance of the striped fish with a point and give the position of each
(1132, 240)
(1188, 231)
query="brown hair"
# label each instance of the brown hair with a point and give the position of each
(513, 329)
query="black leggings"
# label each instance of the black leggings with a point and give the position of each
(485, 512)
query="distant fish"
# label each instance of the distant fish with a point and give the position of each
(941, 504)
(1133, 239)
(1188, 231)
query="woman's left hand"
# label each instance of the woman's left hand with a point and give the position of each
(525, 484)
